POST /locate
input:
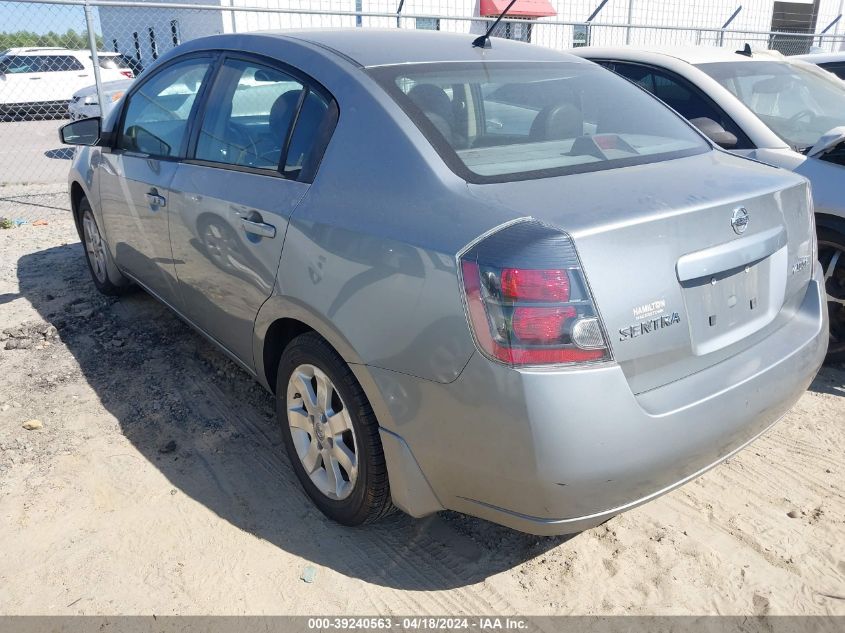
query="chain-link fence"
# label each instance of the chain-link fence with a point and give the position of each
(75, 58)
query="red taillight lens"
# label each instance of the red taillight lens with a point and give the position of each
(540, 326)
(127, 73)
(535, 285)
(531, 314)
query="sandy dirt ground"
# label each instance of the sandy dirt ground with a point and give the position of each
(158, 485)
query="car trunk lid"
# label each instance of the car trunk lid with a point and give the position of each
(690, 261)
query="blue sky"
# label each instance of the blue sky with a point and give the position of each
(42, 18)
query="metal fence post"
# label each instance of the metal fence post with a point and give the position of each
(92, 45)
(630, 22)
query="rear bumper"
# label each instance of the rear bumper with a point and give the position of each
(552, 452)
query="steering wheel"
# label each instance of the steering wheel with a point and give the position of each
(795, 118)
(243, 142)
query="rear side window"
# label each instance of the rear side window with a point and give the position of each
(679, 95)
(305, 138)
(500, 121)
(60, 63)
(155, 120)
(249, 116)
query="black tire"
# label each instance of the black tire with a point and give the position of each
(830, 242)
(111, 281)
(370, 498)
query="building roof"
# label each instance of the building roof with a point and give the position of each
(382, 47)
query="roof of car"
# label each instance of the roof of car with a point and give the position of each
(23, 50)
(821, 58)
(382, 47)
(689, 54)
(41, 50)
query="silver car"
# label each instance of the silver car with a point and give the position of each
(471, 279)
(775, 109)
(831, 62)
(85, 102)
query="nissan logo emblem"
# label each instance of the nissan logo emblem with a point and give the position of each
(739, 220)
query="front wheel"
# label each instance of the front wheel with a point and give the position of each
(104, 273)
(832, 259)
(331, 433)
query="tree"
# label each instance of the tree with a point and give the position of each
(70, 39)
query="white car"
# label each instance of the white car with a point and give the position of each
(85, 103)
(831, 62)
(774, 109)
(41, 81)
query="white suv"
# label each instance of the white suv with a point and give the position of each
(41, 81)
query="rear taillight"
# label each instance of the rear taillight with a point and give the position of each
(127, 73)
(528, 301)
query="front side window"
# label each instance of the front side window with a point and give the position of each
(249, 116)
(493, 122)
(19, 64)
(679, 95)
(156, 117)
(798, 101)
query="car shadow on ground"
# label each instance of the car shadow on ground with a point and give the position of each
(211, 430)
(831, 380)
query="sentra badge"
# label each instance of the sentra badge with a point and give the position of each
(648, 326)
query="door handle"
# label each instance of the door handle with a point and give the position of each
(156, 200)
(258, 228)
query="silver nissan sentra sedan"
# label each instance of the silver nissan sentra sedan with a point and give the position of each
(502, 281)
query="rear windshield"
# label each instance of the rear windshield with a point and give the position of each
(500, 121)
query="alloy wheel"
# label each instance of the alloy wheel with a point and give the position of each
(322, 432)
(95, 246)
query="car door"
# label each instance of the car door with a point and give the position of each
(135, 173)
(683, 97)
(254, 154)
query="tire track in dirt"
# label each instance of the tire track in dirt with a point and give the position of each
(396, 552)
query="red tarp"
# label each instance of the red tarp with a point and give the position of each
(521, 8)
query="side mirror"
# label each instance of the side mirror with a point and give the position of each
(715, 132)
(828, 141)
(82, 132)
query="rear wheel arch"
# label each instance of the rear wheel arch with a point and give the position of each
(77, 193)
(278, 336)
(274, 332)
(832, 222)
